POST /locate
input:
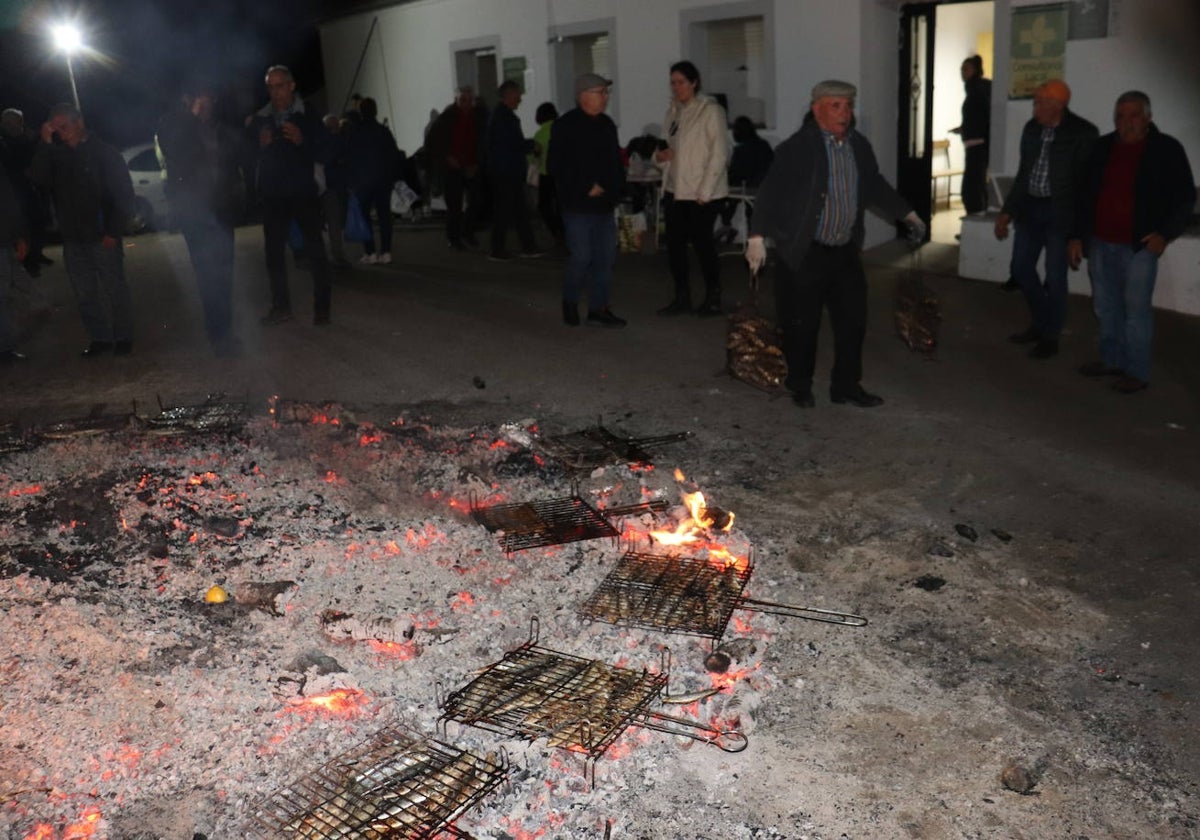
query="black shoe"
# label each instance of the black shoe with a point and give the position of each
(1098, 368)
(1129, 385)
(604, 318)
(321, 319)
(500, 256)
(1028, 336)
(122, 348)
(97, 348)
(12, 356)
(1044, 349)
(710, 310)
(804, 399)
(857, 397)
(276, 316)
(676, 307)
(570, 314)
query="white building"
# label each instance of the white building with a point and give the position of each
(764, 56)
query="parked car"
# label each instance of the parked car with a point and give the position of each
(151, 211)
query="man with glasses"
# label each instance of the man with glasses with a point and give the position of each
(585, 161)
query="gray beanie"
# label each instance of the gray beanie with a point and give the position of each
(833, 87)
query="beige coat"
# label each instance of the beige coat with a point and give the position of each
(699, 149)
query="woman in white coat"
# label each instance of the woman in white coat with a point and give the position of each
(695, 161)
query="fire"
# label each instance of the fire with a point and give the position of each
(701, 520)
(31, 490)
(341, 702)
(86, 826)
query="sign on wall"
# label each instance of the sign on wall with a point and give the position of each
(1038, 49)
(514, 71)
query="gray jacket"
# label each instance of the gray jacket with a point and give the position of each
(788, 203)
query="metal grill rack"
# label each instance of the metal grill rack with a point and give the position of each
(577, 704)
(687, 595)
(598, 447)
(95, 422)
(549, 522)
(13, 439)
(213, 415)
(393, 785)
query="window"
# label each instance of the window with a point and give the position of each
(732, 46)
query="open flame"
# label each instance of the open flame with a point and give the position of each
(340, 702)
(695, 528)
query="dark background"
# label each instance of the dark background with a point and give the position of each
(142, 52)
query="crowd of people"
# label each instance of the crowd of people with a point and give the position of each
(1119, 200)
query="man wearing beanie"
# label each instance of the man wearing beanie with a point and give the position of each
(1055, 145)
(811, 205)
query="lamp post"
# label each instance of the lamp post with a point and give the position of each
(68, 40)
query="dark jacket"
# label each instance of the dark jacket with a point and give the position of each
(284, 169)
(90, 185)
(202, 162)
(12, 219)
(977, 109)
(507, 147)
(1069, 151)
(373, 160)
(749, 162)
(441, 134)
(789, 202)
(584, 150)
(1164, 193)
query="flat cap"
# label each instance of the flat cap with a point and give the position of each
(589, 81)
(833, 87)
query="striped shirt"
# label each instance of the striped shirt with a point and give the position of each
(836, 224)
(1039, 175)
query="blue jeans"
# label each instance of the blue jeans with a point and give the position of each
(97, 275)
(1122, 286)
(592, 247)
(1047, 301)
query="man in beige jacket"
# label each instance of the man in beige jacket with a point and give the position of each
(696, 157)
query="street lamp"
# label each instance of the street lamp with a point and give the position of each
(68, 40)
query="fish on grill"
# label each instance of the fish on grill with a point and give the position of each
(917, 314)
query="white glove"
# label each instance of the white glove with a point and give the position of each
(916, 228)
(756, 253)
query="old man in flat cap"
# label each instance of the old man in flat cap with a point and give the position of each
(811, 205)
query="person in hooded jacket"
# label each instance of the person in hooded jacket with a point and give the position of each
(694, 181)
(374, 163)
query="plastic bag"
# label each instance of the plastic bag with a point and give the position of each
(403, 198)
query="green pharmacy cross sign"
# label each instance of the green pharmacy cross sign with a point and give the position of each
(1039, 45)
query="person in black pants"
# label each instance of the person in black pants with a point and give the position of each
(374, 162)
(975, 130)
(455, 145)
(289, 144)
(201, 157)
(507, 150)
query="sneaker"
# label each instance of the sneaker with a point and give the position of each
(368, 259)
(604, 318)
(385, 258)
(276, 316)
(570, 314)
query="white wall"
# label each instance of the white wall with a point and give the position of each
(1155, 48)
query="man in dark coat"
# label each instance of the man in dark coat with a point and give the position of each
(1137, 196)
(811, 205)
(289, 144)
(585, 160)
(93, 199)
(1055, 145)
(507, 160)
(201, 156)
(13, 245)
(373, 167)
(975, 130)
(455, 146)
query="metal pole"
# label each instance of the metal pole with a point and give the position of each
(74, 90)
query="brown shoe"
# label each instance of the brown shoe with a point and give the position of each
(1129, 385)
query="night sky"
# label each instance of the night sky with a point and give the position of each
(144, 50)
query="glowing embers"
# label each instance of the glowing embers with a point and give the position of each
(549, 522)
(573, 703)
(393, 785)
(598, 447)
(688, 595)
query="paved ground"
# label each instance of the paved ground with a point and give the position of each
(1109, 483)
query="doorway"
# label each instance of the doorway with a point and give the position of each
(935, 39)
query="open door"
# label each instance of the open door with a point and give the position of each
(914, 162)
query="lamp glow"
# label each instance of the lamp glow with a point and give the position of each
(67, 38)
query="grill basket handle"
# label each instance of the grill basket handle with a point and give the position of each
(731, 741)
(811, 613)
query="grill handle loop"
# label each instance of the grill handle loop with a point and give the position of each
(811, 613)
(730, 741)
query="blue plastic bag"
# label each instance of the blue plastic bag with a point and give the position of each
(357, 228)
(295, 238)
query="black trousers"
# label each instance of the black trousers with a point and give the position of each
(210, 248)
(829, 277)
(509, 207)
(691, 221)
(974, 182)
(548, 206)
(278, 213)
(460, 223)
